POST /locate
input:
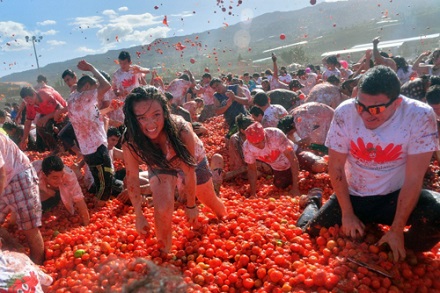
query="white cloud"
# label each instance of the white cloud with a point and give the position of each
(126, 32)
(109, 12)
(56, 43)
(136, 20)
(87, 22)
(110, 32)
(123, 8)
(87, 50)
(13, 36)
(49, 33)
(132, 28)
(47, 22)
(183, 14)
(144, 37)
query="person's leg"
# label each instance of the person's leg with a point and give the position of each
(101, 169)
(117, 186)
(22, 198)
(311, 162)
(282, 179)
(424, 233)
(68, 138)
(206, 194)
(235, 152)
(217, 165)
(162, 187)
(313, 219)
(36, 245)
(47, 135)
(205, 189)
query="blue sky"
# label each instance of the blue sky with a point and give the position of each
(77, 28)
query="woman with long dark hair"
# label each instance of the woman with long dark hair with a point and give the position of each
(169, 147)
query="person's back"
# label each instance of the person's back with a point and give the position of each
(326, 93)
(51, 92)
(286, 98)
(312, 120)
(180, 86)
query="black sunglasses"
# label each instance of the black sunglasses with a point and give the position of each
(373, 110)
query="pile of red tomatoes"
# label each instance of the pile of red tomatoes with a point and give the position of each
(257, 248)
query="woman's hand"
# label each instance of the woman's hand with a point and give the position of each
(142, 226)
(192, 214)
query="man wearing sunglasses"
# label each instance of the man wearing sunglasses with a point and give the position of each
(380, 145)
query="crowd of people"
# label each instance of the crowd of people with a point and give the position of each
(371, 125)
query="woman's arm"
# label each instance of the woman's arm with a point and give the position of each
(188, 138)
(134, 192)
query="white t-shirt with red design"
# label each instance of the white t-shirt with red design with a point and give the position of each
(70, 190)
(125, 82)
(276, 143)
(377, 158)
(12, 158)
(272, 115)
(87, 121)
(19, 274)
(178, 88)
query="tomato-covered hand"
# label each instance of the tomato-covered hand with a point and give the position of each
(142, 226)
(116, 104)
(352, 226)
(192, 213)
(395, 241)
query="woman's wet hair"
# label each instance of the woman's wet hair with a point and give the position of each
(139, 143)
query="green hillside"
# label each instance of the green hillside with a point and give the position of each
(325, 27)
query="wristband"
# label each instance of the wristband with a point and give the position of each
(190, 208)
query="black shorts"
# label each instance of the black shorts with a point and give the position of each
(203, 173)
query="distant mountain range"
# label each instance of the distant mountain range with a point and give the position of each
(325, 27)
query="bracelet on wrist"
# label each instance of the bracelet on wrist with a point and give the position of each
(191, 208)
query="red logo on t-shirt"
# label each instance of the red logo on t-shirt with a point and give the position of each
(129, 82)
(369, 152)
(24, 284)
(270, 158)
